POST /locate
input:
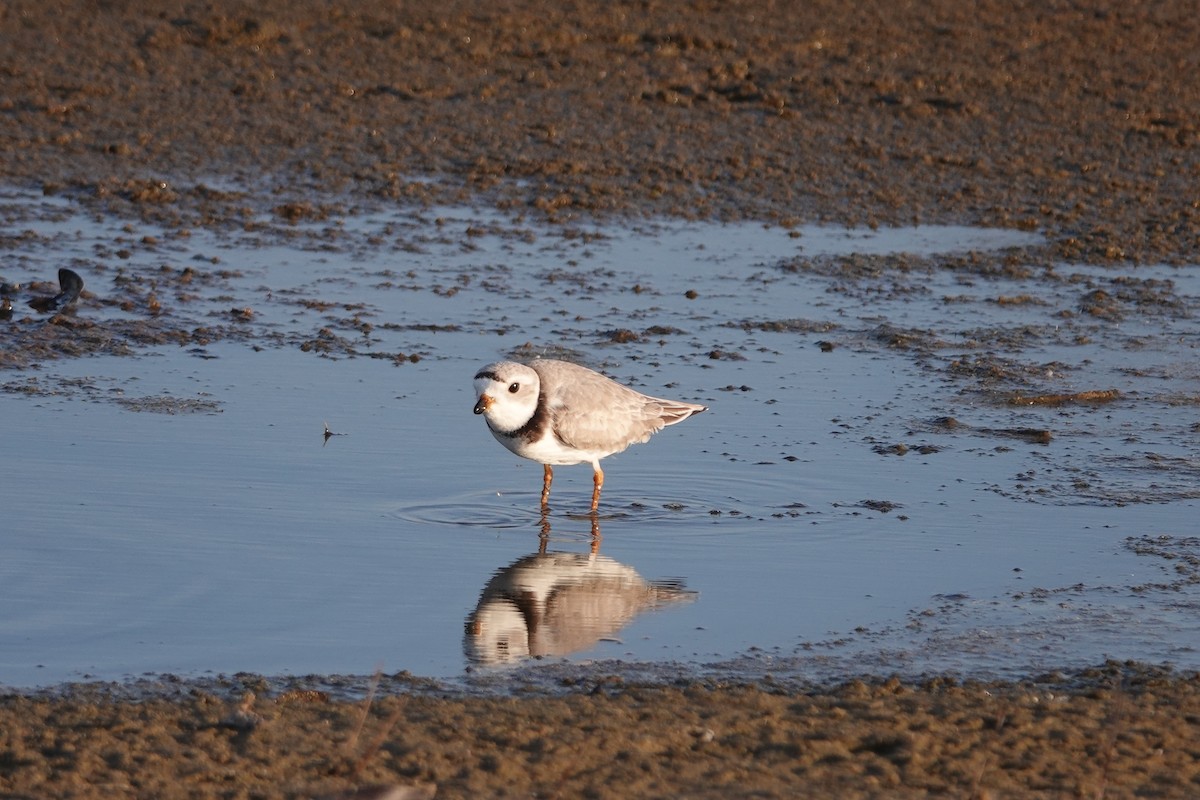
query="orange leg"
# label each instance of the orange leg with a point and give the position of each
(547, 477)
(598, 481)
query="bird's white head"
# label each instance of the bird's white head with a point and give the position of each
(508, 395)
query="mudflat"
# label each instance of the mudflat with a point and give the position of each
(1115, 731)
(1077, 120)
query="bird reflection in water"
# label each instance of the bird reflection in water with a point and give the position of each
(556, 603)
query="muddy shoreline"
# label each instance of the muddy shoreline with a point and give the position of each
(1115, 731)
(1078, 121)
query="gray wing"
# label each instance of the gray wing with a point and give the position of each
(592, 412)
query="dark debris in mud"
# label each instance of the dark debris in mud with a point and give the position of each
(122, 311)
(1089, 397)
(804, 326)
(994, 375)
(1120, 296)
(903, 449)
(106, 390)
(895, 337)
(530, 351)
(29, 341)
(882, 506)
(165, 404)
(954, 425)
(1179, 557)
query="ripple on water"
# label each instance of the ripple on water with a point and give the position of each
(523, 510)
(675, 499)
(473, 509)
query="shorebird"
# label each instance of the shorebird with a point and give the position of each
(559, 413)
(70, 285)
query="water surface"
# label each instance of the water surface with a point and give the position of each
(858, 498)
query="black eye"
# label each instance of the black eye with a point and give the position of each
(514, 388)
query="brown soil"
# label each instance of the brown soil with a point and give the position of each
(1123, 734)
(1079, 119)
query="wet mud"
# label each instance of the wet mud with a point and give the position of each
(1114, 731)
(271, 120)
(1076, 119)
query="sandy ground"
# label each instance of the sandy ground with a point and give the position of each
(1077, 119)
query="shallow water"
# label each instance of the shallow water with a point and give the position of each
(179, 509)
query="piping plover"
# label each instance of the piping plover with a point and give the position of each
(556, 412)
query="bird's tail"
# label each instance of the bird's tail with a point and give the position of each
(674, 411)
